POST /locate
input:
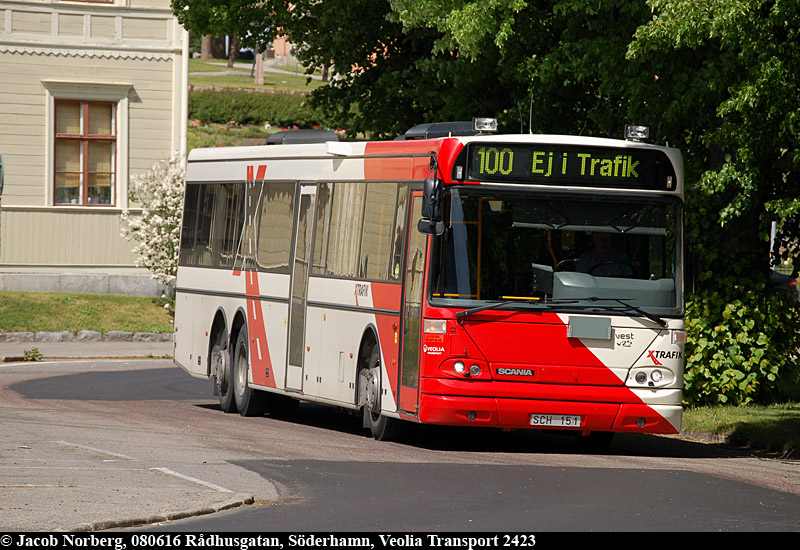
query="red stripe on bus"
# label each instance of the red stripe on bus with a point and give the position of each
(399, 168)
(387, 296)
(260, 361)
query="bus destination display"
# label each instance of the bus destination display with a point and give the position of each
(561, 165)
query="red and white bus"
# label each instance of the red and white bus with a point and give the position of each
(509, 281)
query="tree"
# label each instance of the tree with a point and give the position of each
(246, 22)
(387, 78)
(743, 66)
(157, 228)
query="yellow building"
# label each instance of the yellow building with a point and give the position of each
(91, 92)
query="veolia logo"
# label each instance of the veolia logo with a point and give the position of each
(432, 349)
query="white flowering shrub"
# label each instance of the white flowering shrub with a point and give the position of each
(158, 228)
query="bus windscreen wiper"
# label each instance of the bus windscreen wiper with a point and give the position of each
(533, 302)
(640, 311)
(562, 301)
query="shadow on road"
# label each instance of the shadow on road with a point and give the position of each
(488, 440)
(175, 385)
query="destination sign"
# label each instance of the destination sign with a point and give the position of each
(570, 165)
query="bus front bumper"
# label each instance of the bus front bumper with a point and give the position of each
(511, 413)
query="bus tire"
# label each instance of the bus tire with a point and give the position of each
(220, 361)
(250, 402)
(383, 428)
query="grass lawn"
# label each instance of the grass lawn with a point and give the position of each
(221, 135)
(52, 312)
(774, 428)
(240, 77)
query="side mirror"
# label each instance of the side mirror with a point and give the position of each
(431, 223)
(429, 227)
(431, 194)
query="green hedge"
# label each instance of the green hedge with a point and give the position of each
(279, 109)
(742, 345)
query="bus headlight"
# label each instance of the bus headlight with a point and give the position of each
(465, 369)
(656, 376)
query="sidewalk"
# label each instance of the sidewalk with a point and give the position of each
(114, 490)
(12, 352)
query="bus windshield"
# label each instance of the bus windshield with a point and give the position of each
(592, 252)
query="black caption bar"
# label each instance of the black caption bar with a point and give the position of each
(128, 541)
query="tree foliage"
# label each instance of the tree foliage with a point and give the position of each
(745, 69)
(248, 19)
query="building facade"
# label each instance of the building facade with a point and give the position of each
(91, 92)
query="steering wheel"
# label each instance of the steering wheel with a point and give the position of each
(560, 266)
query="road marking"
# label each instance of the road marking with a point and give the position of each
(101, 451)
(192, 479)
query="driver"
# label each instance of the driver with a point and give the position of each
(603, 260)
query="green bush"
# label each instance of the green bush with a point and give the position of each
(211, 106)
(741, 345)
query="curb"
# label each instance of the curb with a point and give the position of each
(13, 359)
(235, 502)
(706, 437)
(84, 336)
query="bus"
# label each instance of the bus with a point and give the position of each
(452, 276)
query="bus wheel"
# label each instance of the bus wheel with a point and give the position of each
(221, 369)
(382, 427)
(595, 440)
(250, 402)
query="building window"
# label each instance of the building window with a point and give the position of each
(85, 153)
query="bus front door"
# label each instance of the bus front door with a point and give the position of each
(299, 288)
(412, 309)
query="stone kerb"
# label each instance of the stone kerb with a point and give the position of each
(84, 336)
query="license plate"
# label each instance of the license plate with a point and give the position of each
(556, 420)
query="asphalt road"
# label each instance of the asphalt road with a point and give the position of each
(88, 441)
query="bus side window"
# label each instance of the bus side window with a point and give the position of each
(396, 265)
(189, 226)
(226, 225)
(322, 228)
(202, 245)
(344, 239)
(377, 234)
(275, 227)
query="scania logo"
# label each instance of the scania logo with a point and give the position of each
(515, 372)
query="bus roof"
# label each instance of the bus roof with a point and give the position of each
(399, 159)
(317, 149)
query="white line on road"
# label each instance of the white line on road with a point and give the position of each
(101, 451)
(192, 479)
